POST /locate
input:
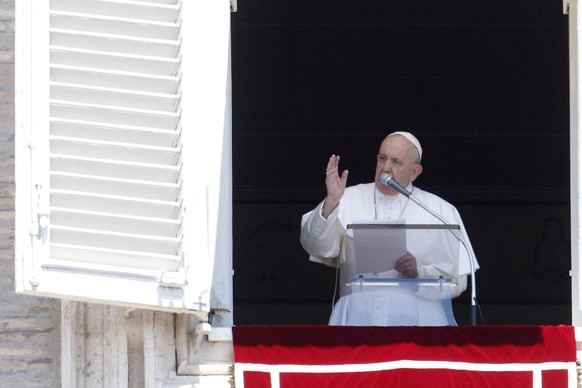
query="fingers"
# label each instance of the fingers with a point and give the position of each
(332, 169)
(406, 265)
(334, 182)
(344, 178)
(332, 164)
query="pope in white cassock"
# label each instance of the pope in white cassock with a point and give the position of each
(325, 236)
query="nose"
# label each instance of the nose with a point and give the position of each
(386, 166)
(385, 163)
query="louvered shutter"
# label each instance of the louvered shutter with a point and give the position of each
(111, 205)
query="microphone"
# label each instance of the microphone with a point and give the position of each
(387, 180)
(390, 182)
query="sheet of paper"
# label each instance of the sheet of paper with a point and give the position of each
(378, 245)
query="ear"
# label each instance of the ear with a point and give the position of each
(416, 171)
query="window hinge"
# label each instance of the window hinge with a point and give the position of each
(233, 5)
(40, 220)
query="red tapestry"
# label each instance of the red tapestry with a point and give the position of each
(460, 356)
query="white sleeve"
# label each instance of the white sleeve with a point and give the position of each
(319, 236)
(432, 292)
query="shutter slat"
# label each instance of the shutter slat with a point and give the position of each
(76, 200)
(114, 79)
(115, 222)
(113, 240)
(114, 61)
(114, 151)
(114, 114)
(102, 96)
(115, 43)
(122, 26)
(81, 129)
(163, 11)
(107, 261)
(117, 187)
(115, 169)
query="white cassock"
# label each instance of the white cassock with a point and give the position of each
(328, 242)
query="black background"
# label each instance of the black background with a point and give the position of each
(482, 84)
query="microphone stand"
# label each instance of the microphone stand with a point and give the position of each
(389, 181)
(463, 242)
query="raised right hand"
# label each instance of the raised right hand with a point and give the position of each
(335, 185)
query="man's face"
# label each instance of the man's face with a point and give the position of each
(398, 157)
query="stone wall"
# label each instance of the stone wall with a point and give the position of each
(29, 326)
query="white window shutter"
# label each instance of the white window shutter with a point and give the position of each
(123, 152)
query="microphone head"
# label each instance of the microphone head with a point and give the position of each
(385, 178)
(390, 182)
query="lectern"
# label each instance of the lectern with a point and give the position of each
(380, 296)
